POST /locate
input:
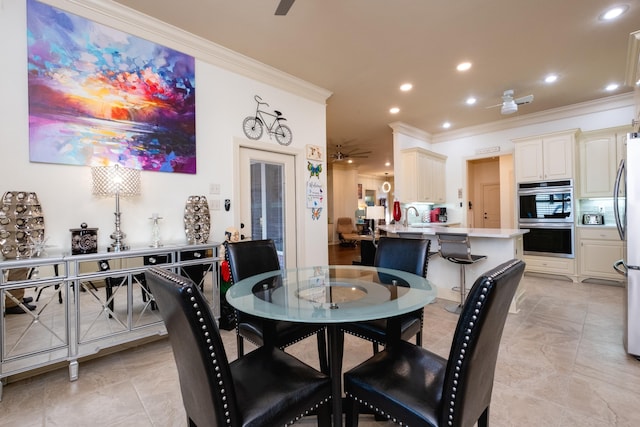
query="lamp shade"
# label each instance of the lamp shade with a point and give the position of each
(375, 212)
(111, 180)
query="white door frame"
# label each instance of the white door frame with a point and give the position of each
(269, 152)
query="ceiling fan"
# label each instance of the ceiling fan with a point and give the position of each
(340, 155)
(510, 104)
(283, 7)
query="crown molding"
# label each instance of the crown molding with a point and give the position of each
(409, 130)
(589, 107)
(125, 19)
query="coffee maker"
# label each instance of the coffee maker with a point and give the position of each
(442, 216)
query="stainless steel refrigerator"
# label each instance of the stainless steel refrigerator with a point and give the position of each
(626, 200)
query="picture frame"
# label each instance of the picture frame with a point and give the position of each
(314, 152)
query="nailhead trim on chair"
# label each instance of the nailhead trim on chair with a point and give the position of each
(460, 358)
(213, 356)
(467, 333)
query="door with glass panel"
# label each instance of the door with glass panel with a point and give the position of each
(267, 200)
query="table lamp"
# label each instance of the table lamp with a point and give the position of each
(375, 213)
(116, 181)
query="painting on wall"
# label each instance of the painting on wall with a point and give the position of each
(99, 96)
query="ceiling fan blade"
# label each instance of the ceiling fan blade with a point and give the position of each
(283, 7)
(494, 106)
(524, 100)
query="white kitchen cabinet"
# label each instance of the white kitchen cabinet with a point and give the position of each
(600, 153)
(598, 249)
(423, 176)
(545, 157)
(551, 265)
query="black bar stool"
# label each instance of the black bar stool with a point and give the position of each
(455, 247)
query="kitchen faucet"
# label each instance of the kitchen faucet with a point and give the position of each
(406, 214)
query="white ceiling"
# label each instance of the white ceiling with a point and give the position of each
(362, 50)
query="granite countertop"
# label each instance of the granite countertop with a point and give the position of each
(432, 229)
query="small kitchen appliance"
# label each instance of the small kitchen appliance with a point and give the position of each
(593, 219)
(442, 217)
(435, 215)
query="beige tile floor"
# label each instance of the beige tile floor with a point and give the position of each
(561, 363)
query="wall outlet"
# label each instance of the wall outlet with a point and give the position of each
(214, 188)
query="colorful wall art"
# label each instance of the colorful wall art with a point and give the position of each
(98, 96)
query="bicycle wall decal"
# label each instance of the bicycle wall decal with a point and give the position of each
(253, 126)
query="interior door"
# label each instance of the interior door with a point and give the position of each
(267, 200)
(491, 206)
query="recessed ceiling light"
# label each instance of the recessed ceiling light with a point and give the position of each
(613, 13)
(387, 164)
(349, 161)
(470, 100)
(463, 66)
(406, 87)
(446, 125)
(394, 110)
(551, 78)
(611, 87)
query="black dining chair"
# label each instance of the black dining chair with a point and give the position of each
(267, 387)
(248, 258)
(413, 386)
(412, 256)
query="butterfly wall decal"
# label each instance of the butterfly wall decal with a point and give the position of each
(314, 169)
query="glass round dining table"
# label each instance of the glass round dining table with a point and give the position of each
(332, 295)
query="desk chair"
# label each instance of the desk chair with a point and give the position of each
(456, 248)
(248, 258)
(267, 387)
(410, 255)
(415, 387)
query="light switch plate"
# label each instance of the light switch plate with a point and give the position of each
(214, 188)
(215, 204)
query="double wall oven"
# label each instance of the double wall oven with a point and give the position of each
(546, 209)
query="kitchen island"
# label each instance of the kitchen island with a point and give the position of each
(497, 244)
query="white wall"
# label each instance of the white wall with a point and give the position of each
(223, 98)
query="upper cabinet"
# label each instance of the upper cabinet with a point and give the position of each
(600, 154)
(423, 176)
(545, 158)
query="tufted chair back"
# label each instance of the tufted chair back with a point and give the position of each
(205, 378)
(470, 370)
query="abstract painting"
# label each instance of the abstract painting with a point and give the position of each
(99, 96)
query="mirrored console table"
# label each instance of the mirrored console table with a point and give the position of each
(87, 303)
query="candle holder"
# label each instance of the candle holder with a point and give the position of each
(155, 231)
